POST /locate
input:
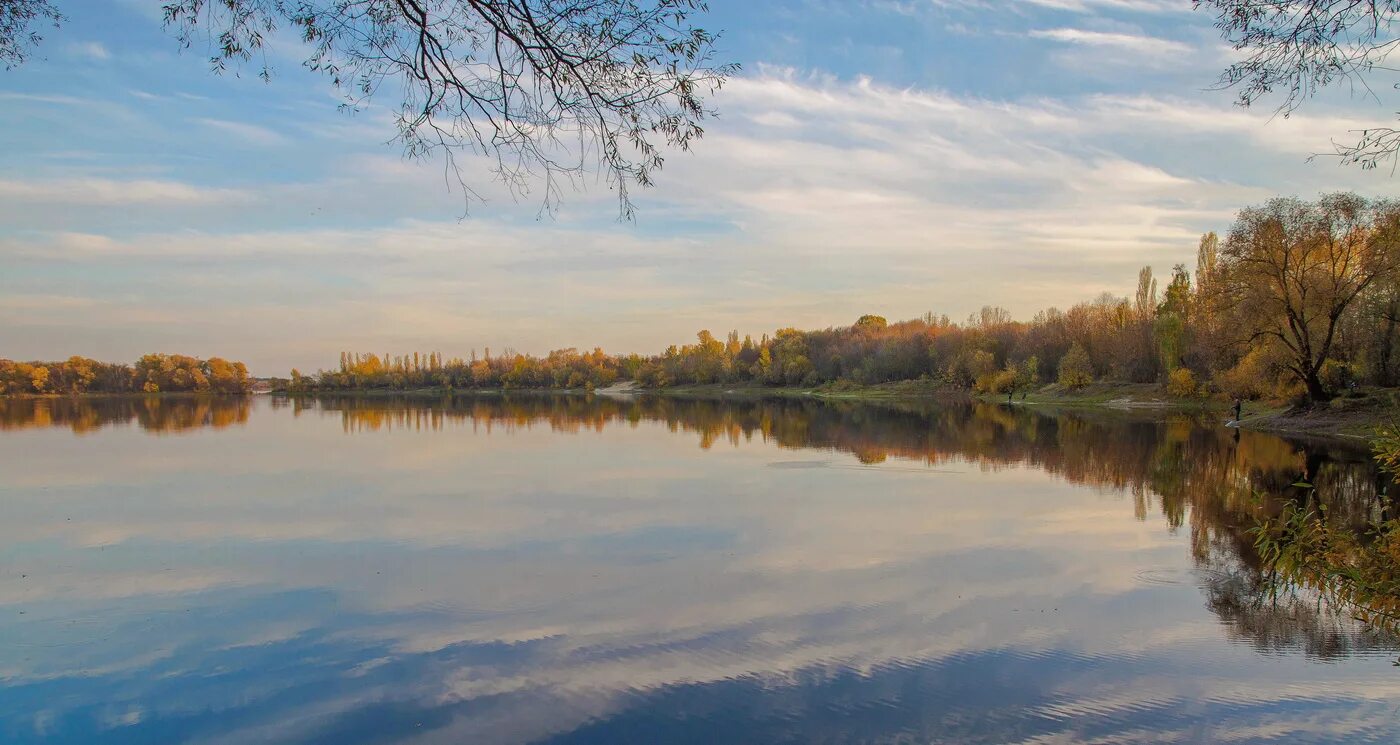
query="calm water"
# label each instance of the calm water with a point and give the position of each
(572, 570)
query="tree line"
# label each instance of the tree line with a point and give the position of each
(1301, 299)
(153, 373)
(560, 369)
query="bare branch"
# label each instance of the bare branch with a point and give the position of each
(549, 91)
(1297, 47)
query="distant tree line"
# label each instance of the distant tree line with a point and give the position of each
(560, 369)
(1301, 300)
(153, 373)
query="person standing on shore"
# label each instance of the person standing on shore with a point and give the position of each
(1239, 408)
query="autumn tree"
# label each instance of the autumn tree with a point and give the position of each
(1145, 301)
(1076, 370)
(1291, 269)
(1381, 311)
(791, 365)
(1205, 345)
(153, 373)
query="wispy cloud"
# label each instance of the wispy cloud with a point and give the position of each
(819, 195)
(51, 98)
(252, 134)
(113, 192)
(1141, 44)
(1025, 7)
(1138, 6)
(922, 198)
(90, 49)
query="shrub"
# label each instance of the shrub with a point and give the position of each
(1076, 371)
(997, 381)
(1181, 383)
(1254, 376)
(1029, 373)
(1336, 375)
(1386, 447)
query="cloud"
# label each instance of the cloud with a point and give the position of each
(250, 133)
(814, 200)
(1299, 135)
(52, 98)
(112, 192)
(91, 49)
(1024, 7)
(1139, 44)
(27, 303)
(1089, 6)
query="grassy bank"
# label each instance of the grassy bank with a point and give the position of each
(845, 391)
(1353, 416)
(1356, 415)
(1111, 395)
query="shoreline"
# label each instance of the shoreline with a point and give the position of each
(131, 394)
(1354, 417)
(1346, 418)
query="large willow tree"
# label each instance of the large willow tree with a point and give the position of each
(1292, 269)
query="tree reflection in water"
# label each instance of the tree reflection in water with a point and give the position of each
(154, 414)
(1216, 483)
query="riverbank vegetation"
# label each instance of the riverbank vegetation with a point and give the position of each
(1307, 549)
(153, 373)
(1300, 301)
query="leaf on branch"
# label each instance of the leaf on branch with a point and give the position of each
(547, 91)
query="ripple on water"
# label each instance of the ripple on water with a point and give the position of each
(1180, 576)
(76, 631)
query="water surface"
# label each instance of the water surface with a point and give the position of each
(593, 570)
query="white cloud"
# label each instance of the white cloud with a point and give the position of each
(250, 133)
(91, 49)
(52, 98)
(1088, 6)
(1072, 6)
(814, 200)
(1137, 43)
(113, 192)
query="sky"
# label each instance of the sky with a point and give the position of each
(873, 156)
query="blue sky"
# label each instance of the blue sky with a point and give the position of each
(879, 156)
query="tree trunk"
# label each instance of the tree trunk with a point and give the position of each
(1383, 374)
(1316, 392)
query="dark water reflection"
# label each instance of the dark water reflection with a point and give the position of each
(570, 569)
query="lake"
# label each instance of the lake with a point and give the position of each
(555, 569)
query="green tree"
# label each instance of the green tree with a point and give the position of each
(1029, 373)
(1076, 370)
(1169, 328)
